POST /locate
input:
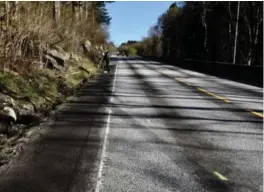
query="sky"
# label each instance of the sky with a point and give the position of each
(131, 20)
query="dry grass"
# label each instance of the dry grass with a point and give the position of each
(24, 40)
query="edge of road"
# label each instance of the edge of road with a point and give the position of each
(105, 139)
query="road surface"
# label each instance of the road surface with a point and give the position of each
(152, 128)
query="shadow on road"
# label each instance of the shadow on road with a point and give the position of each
(167, 113)
(65, 156)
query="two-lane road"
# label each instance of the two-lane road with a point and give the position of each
(147, 127)
(176, 130)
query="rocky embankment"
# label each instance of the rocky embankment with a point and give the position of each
(26, 100)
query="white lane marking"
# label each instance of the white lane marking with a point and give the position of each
(103, 155)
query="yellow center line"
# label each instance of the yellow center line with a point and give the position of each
(256, 113)
(220, 176)
(182, 81)
(214, 95)
(164, 74)
(219, 97)
(178, 79)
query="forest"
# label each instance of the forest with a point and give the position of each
(224, 31)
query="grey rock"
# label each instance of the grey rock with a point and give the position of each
(101, 48)
(7, 118)
(6, 100)
(28, 117)
(51, 63)
(88, 46)
(75, 57)
(4, 127)
(28, 107)
(60, 56)
(58, 48)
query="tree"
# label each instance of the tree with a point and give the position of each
(28, 29)
(209, 31)
(56, 11)
(235, 44)
(100, 13)
(203, 18)
(252, 14)
(155, 36)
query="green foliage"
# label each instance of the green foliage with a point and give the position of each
(103, 15)
(33, 85)
(132, 51)
(127, 50)
(111, 47)
(75, 75)
(206, 31)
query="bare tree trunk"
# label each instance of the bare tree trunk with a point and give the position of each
(7, 13)
(203, 16)
(229, 31)
(16, 16)
(41, 7)
(74, 12)
(93, 20)
(77, 11)
(86, 9)
(236, 34)
(82, 10)
(82, 14)
(93, 13)
(56, 11)
(253, 33)
(230, 22)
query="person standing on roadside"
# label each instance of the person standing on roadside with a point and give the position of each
(106, 59)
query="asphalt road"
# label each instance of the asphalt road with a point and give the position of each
(148, 127)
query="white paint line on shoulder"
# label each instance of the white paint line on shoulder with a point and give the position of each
(103, 155)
